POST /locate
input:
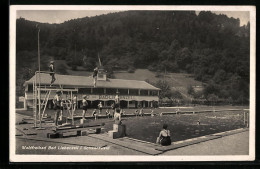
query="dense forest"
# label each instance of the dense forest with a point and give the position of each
(214, 48)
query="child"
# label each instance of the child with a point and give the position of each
(152, 114)
(122, 112)
(95, 114)
(136, 112)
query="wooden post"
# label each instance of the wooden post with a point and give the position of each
(39, 99)
(247, 125)
(244, 118)
(72, 112)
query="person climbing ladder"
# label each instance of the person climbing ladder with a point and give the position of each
(52, 69)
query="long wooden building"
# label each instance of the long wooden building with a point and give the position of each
(133, 93)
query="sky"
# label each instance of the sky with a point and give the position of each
(60, 16)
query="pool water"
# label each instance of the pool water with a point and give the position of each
(182, 127)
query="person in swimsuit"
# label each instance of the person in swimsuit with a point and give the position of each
(164, 137)
(108, 113)
(100, 107)
(74, 105)
(136, 112)
(84, 107)
(113, 109)
(94, 113)
(152, 113)
(117, 100)
(61, 108)
(57, 102)
(52, 74)
(95, 76)
(117, 117)
(141, 112)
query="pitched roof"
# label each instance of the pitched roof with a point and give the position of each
(87, 81)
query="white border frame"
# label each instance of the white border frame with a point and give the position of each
(122, 158)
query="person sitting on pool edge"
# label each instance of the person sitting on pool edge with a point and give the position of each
(117, 117)
(164, 137)
(118, 120)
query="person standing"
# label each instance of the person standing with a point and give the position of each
(100, 107)
(75, 100)
(52, 72)
(95, 76)
(84, 107)
(117, 100)
(61, 108)
(113, 109)
(57, 102)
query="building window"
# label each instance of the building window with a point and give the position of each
(30, 88)
(133, 92)
(123, 91)
(98, 90)
(144, 92)
(84, 91)
(110, 91)
(154, 93)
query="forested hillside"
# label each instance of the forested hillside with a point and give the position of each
(212, 47)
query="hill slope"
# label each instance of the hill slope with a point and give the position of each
(214, 48)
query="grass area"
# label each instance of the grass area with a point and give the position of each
(139, 74)
(178, 81)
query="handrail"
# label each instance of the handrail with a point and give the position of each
(51, 89)
(43, 72)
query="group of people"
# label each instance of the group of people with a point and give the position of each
(60, 104)
(164, 137)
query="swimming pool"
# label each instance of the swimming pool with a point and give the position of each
(182, 126)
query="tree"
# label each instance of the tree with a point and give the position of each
(190, 90)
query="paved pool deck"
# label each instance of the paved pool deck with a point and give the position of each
(235, 143)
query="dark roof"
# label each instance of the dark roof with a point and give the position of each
(87, 81)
